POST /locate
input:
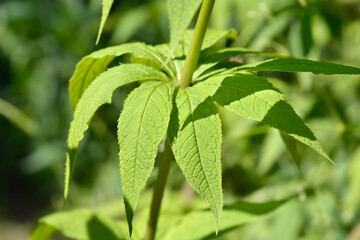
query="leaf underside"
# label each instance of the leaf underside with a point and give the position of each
(195, 137)
(98, 93)
(142, 126)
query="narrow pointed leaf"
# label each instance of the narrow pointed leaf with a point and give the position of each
(106, 6)
(142, 125)
(98, 93)
(197, 225)
(214, 55)
(300, 65)
(253, 97)
(164, 49)
(291, 146)
(195, 137)
(92, 65)
(180, 15)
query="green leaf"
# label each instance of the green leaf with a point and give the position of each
(215, 54)
(98, 93)
(195, 137)
(105, 13)
(92, 65)
(299, 65)
(291, 146)
(164, 49)
(42, 231)
(142, 126)
(180, 15)
(197, 225)
(253, 97)
(79, 224)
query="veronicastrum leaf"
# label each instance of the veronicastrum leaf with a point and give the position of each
(79, 224)
(299, 65)
(195, 137)
(197, 225)
(215, 54)
(180, 15)
(98, 93)
(105, 13)
(142, 126)
(253, 97)
(92, 65)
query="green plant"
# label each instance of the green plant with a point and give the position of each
(182, 86)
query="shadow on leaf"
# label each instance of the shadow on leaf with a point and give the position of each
(203, 110)
(99, 231)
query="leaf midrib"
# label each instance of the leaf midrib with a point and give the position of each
(197, 146)
(137, 144)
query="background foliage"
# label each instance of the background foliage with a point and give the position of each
(40, 43)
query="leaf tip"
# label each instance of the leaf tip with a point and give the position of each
(331, 161)
(129, 215)
(217, 217)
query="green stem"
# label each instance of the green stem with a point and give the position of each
(163, 172)
(192, 57)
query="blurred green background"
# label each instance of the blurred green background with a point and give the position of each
(42, 40)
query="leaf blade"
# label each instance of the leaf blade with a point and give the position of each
(92, 65)
(142, 125)
(300, 65)
(253, 97)
(215, 55)
(98, 93)
(195, 137)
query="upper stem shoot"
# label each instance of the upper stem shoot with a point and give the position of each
(192, 57)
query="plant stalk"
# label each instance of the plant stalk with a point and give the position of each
(192, 57)
(163, 173)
